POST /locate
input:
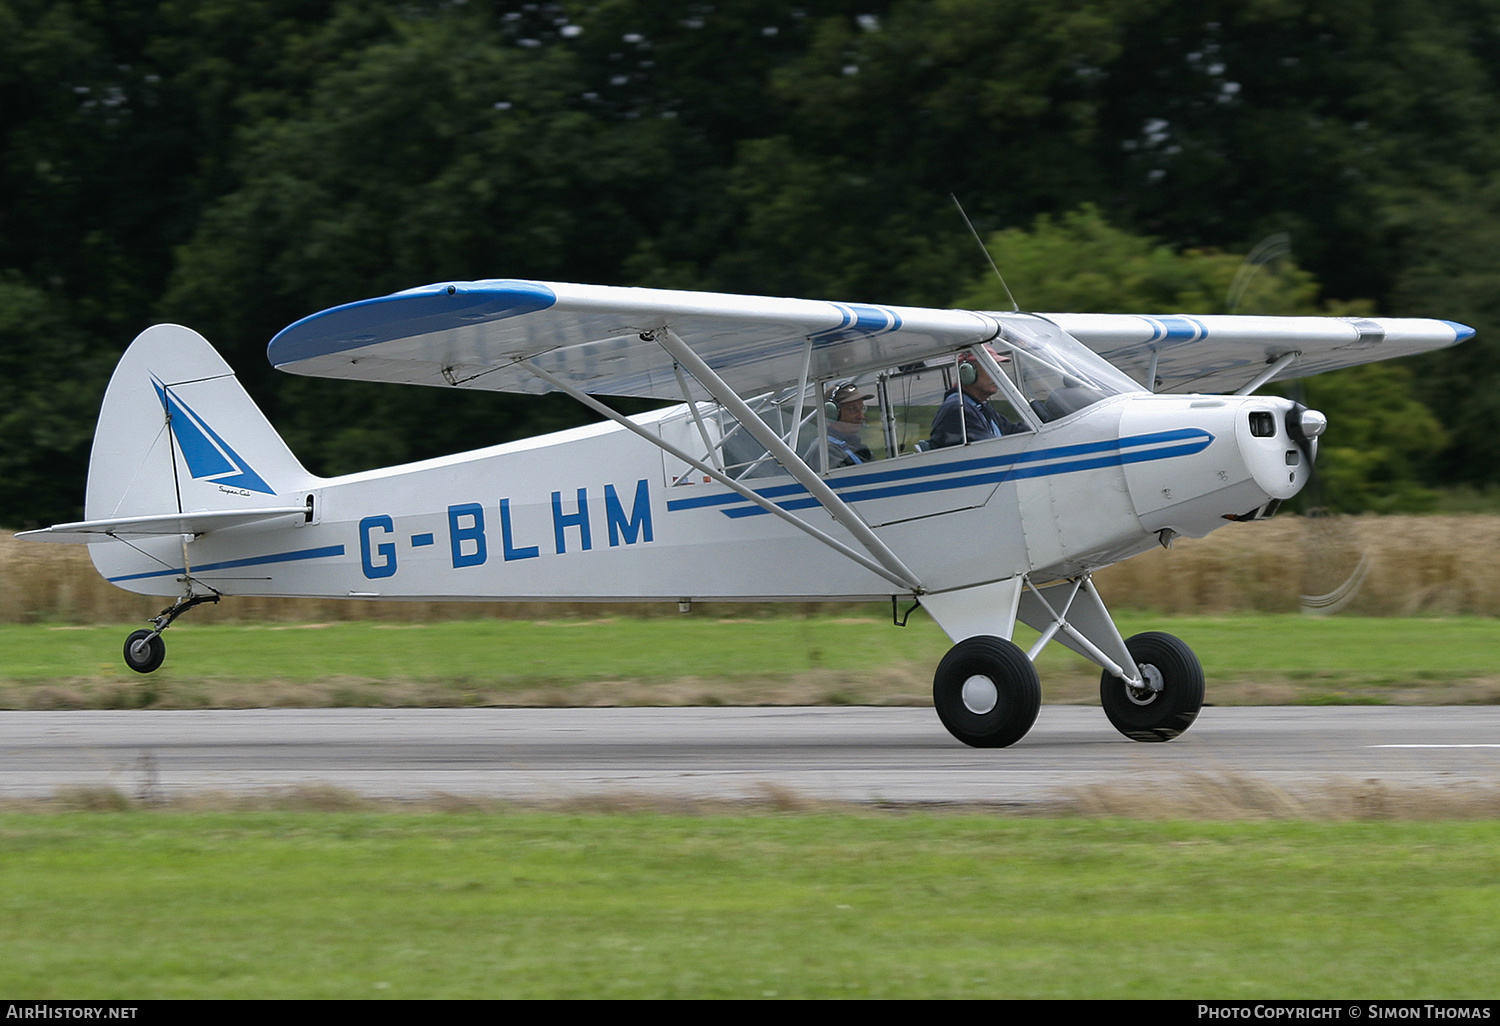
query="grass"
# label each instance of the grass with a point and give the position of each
(528, 904)
(810, 659)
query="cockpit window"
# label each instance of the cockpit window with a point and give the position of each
(881, 415)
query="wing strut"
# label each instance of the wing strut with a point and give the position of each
(793, 464)
(1277, 365)
(909, 582)
(712, 450)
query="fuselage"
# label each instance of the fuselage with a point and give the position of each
(598, 513)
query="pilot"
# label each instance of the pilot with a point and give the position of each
(845, 411)
(966, 413)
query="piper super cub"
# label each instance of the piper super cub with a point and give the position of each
(984, 465)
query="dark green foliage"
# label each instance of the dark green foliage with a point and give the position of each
(51, 380)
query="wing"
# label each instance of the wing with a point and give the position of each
(598, 338)
(1221, 353)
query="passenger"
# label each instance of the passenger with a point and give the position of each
(966, 413)
(846, 422)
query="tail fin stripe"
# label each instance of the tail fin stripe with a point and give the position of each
(207, 455)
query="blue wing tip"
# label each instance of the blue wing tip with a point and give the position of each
(1461, 332)
(421, 310)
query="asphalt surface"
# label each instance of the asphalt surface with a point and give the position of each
(850, 754)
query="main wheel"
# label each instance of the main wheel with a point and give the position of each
(1173, 694)
(986, 692)
(144, 651)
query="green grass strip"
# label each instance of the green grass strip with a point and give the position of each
(147, 904)
(656, 647)
(858, 658)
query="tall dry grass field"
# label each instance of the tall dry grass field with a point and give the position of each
(1418, 565)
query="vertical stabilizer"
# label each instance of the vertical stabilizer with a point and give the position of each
(178, 433)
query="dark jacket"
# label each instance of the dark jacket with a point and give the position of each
(962, 416)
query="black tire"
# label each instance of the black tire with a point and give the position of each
(1155, 715)
(1008, 692)
(155, 650)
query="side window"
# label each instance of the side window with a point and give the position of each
(954, 402)
(713, 435)
(848, 429)
(913, 399)
(746, 459)
(847, 422)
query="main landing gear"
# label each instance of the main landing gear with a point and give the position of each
(144, 650)
(986, 689)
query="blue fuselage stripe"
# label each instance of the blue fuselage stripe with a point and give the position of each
(231, 564)
(1064, 459)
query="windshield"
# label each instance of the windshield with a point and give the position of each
(1056, 373)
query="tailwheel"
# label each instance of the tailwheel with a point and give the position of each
(1171, 694)
(986, 692)
(144, 651)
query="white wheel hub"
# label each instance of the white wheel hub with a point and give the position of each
(980, 695)
(1152, 678)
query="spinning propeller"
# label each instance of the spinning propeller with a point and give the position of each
(1328, 541)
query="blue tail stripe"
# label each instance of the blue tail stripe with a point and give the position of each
(231, 564)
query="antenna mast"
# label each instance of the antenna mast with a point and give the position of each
(986, 251)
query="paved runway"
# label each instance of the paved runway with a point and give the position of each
(853, 754)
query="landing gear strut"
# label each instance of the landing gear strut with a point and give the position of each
(144, 650)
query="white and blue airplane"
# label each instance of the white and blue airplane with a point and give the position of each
(983, 465)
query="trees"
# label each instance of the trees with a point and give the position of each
(50, 380)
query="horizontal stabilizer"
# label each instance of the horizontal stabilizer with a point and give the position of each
(162, 524)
